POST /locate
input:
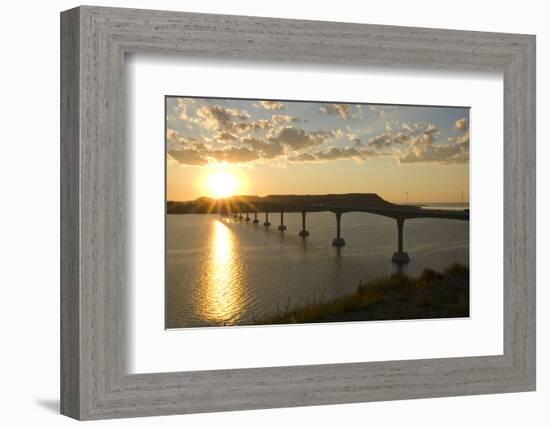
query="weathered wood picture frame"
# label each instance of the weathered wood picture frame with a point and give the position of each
(94, 381)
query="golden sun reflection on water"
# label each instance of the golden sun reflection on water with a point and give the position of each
(224, 293)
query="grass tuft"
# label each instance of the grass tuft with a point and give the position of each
(430, 295)
(456, 270)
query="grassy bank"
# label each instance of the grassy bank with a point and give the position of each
(430, 295)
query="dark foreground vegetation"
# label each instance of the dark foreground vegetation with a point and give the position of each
(428, 296)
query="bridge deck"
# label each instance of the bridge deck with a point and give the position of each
(394, 211)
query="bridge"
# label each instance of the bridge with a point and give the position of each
(339, 204)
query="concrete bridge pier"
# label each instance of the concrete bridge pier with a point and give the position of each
(267, 223)
(338, 241)
(282, 227)
(400, 257)
(256, 220)
(303, 232)
(247, 217)
(235, 215)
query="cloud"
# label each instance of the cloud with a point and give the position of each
(380, 141)
(342, 110)
(425, 149)
(189, 156)
(401, 138)
(410, 128)
(227, 133)
(233, 155)
(252, 126)
(272, 105)
(182, 105)
(304, 157)
(229, 120)
(171, 134)
(404, 136)
(430, 130)
(440, 153)
(226, 137)
(334, 153)
(462, 140)
(220, 118)
(298, 139)
(352, 137)
(176, 141)
(335, 133)
(200, 155)
(462, 125)
(283, 118)
(265, 150)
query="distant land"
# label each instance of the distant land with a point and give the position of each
(272, 203)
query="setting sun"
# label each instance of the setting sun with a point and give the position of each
(222, 184)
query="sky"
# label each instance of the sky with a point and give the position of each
(220, 147)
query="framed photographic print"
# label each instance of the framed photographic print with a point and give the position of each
(344, 212)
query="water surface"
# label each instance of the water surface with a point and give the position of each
(222, 271)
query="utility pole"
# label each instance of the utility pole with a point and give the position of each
(407, 197)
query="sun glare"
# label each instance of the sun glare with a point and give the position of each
(222, 184)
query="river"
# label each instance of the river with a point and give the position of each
(222, 271)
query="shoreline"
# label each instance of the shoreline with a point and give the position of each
(431, 295)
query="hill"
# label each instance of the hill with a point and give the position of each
(274, 203)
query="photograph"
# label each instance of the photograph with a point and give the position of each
(295, 212)
(264, 212)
